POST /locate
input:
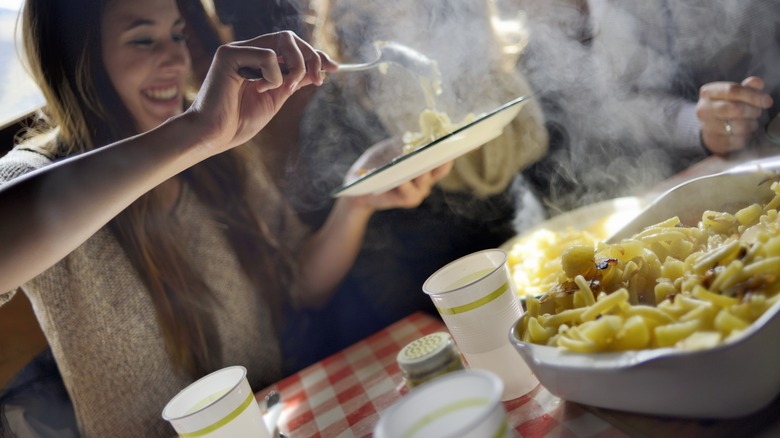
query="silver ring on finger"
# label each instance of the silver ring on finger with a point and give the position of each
(727, 127)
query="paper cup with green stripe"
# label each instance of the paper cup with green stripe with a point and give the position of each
(461, 404)
(219, 405)
(478, 302)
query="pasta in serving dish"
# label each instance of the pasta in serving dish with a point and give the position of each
(534, 257)
(667, 286)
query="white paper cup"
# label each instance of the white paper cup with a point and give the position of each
(220, 404)
(462, 404)
(478, 302)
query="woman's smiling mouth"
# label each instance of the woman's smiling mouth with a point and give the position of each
(162, 93)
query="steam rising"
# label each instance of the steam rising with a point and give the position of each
(372, 106)
(615, 75)
(612, 77)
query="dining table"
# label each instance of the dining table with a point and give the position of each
(344, 394)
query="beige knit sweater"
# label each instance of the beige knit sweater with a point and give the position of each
(101, 324)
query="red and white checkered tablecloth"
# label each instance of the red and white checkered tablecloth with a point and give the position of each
(344, 394)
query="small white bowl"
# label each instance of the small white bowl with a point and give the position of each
(733, 379)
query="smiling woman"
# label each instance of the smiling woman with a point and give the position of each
(144, 61)
(154, 257)
(147, 61)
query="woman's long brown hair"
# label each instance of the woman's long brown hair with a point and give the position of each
(62, 44)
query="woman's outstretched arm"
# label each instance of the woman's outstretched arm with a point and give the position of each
(48, 213)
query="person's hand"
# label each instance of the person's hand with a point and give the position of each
(230, 109)
(408, 195)
(728, 113)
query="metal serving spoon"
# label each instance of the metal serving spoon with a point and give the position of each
(388, 52)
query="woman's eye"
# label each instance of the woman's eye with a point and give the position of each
(180, 37)
(142, 42)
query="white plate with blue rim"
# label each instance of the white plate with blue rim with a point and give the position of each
(384, 166)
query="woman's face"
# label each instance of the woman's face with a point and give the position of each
(146, 57)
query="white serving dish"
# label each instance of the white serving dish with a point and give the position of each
(731, 380)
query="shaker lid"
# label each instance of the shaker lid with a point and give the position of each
(426, 353)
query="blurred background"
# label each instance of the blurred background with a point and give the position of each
(18, 93)
(20, 336)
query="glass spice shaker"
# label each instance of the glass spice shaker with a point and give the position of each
(428, 357)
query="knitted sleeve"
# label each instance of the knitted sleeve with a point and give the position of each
(6, 297)
(21, 160)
